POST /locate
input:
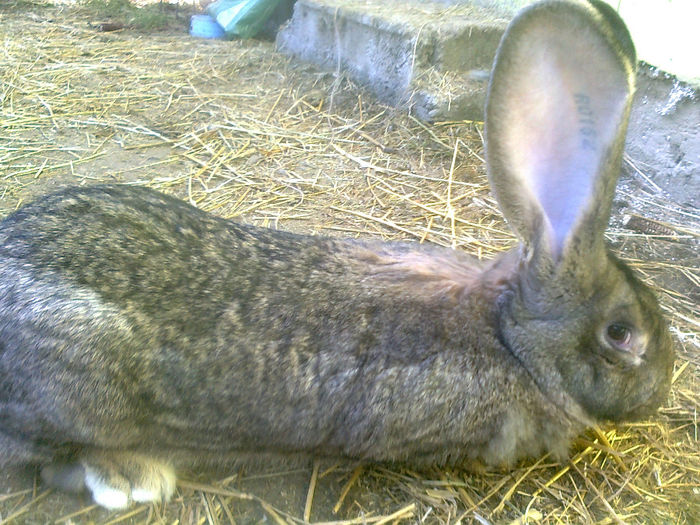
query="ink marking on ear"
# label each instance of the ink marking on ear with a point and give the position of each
(586, 121)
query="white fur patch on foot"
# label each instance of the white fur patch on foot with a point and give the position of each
(104, 495)
(159, 488)
(144, 495)
(117, 479)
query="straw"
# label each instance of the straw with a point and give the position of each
(245, 133)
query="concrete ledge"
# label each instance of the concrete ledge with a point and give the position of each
(434, 57)
(430, 56)
(663, 137)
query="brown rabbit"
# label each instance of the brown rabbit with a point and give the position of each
(138, 333)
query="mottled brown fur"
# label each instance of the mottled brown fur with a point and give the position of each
(137, 331)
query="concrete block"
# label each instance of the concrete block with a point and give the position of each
(663, 137)
(429, 56)
(434, 57)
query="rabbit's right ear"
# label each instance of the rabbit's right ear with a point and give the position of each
(556, 118)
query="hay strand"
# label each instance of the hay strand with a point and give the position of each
(243, 132)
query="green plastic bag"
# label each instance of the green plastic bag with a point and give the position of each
(242, 18)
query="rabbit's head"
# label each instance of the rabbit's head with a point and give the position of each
(556, 118)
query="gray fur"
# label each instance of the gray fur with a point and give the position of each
(137, 331)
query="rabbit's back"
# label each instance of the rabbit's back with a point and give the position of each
(153, 324)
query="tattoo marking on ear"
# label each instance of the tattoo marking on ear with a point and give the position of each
(586, 121)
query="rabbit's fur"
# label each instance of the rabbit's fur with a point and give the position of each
(138, 332)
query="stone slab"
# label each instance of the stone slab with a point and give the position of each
(433, 57)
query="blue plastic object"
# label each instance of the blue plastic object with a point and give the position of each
(242, 18)
(204, 26)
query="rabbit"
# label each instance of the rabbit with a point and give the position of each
(140, 335)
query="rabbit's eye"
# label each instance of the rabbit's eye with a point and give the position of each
(619, 335)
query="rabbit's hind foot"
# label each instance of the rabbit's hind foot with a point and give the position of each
(115, 479)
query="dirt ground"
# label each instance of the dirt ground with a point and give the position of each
(241, 131)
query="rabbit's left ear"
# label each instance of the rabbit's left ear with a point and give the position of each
(556, 118)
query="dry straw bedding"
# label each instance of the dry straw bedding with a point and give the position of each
(241, 131)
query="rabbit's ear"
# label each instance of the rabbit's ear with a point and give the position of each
(556, 118)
